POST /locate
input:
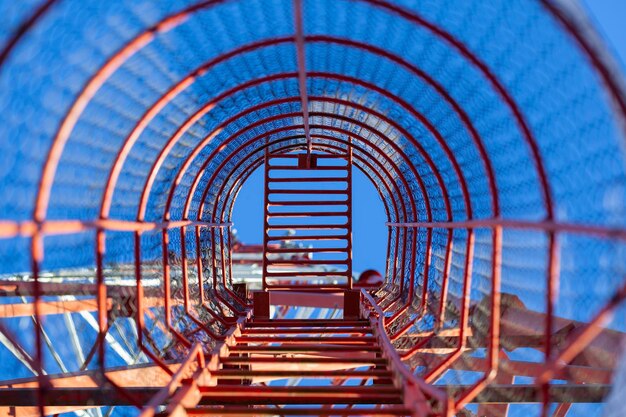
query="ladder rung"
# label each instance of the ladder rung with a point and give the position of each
(274, 331)
(302, 398)
(298, 283)
(389, 411)
(307, 203)
(248, 374)
(307, 287)
(245, 360)
(315, 155)
(249, 391)
(298, 262)
(327, 192)
(252, 393)
(308, 226)
(307, 250)
(319, 168)
(307, 339)
(308, 323)
(296, 274)
(308, 349)
(317, 237)
(310, 179)
(310, 214)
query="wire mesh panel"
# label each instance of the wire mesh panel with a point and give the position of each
(494, 132)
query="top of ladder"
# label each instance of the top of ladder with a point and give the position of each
(308, 206)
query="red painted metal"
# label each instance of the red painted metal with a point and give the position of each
(144, 197)
(206, 189)
(605, 232)
(197, 179)
(190, 384)
(381, 169)
(301, 60)
(300, 173)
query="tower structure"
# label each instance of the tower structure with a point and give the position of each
(493, 132)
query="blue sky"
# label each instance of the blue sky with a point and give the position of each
(609, 17)
(369, 230)
(369, 218)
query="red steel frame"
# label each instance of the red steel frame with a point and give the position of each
(296, 188)
(40, 226)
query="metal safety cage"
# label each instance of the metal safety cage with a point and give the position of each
(493, 131)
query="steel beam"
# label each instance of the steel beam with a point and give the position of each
(50, 307)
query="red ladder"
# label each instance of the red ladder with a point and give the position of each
(315, 368)
(307, 238)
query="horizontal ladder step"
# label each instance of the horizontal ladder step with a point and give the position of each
(248, 374)
(307, 191)
(235, 360)
(331, 391)
(318, 168)
(274, 156)
(312, 349)
(275, 262)
(306, 287)
(250, 394)
(309, 179)
(307, 323)
(317, 237)
(309, 214)
(307, 339)
(306, 226)
(297, 274)
(348, 412)
(307, 250)
(307, 203)
(274, 331)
